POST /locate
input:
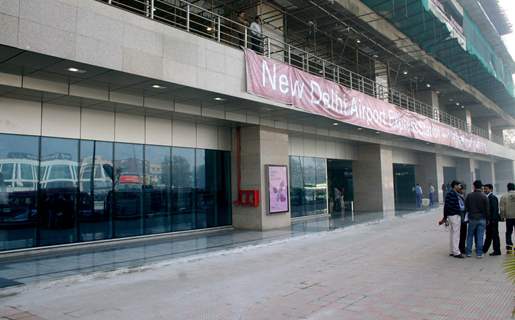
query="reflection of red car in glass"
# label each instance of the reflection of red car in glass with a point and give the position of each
(127, 202)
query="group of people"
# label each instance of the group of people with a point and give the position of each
(472, 216)
(256, 32)
(419, 193)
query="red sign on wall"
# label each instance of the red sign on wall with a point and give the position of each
(279, 82)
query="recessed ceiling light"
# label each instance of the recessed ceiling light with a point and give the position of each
(360, 128)
(428, 85)
(157, 86)
(218, 99)
(358, 41)
(77, 70)
(209, 29)
(405, 72)
(377, 132)
(457, 103)
(335, 123)
(375, 56)
(463, 107)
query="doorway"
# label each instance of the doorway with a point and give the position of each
(341, 189)
(404, 186)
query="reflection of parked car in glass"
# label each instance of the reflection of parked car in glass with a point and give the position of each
(128, 195)
(18, 181)
(95, 185)
(58, 190)
(20, 174)
(58, 173)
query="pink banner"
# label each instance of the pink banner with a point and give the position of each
(279, 82)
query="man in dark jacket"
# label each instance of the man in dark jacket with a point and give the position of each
(492, 225)
(452, 211)
(477, 207)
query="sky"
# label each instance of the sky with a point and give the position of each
(509, 40)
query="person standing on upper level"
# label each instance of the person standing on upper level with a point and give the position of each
(256, 33)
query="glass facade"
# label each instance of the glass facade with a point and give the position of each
(56, 191)
(308, 186)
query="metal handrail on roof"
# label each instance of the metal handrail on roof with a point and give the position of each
(203, 22)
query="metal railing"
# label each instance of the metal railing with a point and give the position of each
(203, 22)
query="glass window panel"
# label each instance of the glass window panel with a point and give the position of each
(224, 190)
(210, 188)
(58, 190)
(18, 192)
(128, 174)
(156, 189)
(182, 191)
(96, 190)
(309, 174)
(203, 195)
(296, 187)
(321, 186)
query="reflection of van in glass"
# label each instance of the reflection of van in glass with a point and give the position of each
(18, 185)
(19, 174)
(58, 174)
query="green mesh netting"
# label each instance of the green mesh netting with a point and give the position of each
(475, 61)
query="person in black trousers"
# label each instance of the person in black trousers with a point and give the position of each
(492, 226)
(464, 224)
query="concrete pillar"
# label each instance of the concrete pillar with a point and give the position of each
(487, 172)
(464, 172)
(440, 179)
(260, 146)
(426, 173)
(373, 179)
(504, 173)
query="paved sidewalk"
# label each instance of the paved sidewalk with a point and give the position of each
(397, 269)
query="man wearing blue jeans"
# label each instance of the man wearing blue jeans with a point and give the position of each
(478, 208)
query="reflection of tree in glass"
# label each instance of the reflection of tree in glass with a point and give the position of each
(182, 165)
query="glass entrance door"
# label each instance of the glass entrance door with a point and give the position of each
(404, 186)
(341, 191)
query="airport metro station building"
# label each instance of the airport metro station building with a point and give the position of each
(123, 118)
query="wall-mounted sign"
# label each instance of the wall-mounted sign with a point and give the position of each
(279, 82)
(277, 192)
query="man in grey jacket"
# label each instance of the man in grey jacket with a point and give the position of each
(477, 207)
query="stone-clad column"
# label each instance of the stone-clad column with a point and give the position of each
(259, 146)
(504, 173)
(426, 173)
(373, 179)
(464, 172)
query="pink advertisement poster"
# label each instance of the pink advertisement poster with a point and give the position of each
(279, 82)
(277, 188)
